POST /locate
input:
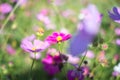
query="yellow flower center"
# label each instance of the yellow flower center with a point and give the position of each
(33, 48)
(59, 38)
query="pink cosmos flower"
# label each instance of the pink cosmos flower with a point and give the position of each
(30, 44)
(58, 37)
(5, 8)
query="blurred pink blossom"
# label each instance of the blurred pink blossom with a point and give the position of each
(5, 8)
(44, 12)
(117, 31)
(52, 51)
(89, 54)
(118, 41)
(10, 50)
(114, 73)
(42, 16)
(116, 57)
(73, 59)
(2, 16)
(86, 70)
(68, 13)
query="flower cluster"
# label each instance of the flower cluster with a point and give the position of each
(54, 60)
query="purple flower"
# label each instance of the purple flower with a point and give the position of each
(30, 44)
(5, 8)
(115, 14)
(91, 20)
(75, 75)
(115, 73)
(52, 64)
(88, 29)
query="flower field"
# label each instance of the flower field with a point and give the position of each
(59, 40)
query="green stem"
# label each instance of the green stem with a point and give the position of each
(8, 18)
(83, 59)
(60, 52)
(31, 69)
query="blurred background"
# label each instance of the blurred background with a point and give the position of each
(21, 18)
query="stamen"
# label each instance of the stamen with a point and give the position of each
(59, 38)
(33, 48)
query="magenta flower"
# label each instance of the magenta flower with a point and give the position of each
(30, 44)
(58, 37)
(5, 8)
(52, 64)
